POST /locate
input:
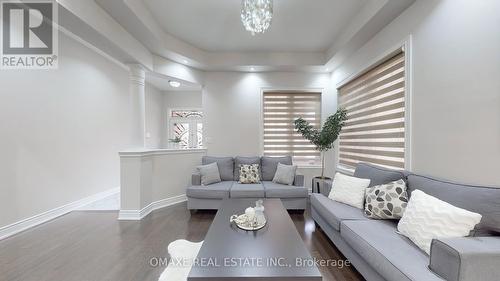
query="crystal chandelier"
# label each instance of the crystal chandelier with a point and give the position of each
(256, 15)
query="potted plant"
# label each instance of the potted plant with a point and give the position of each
(175, 142)
(323, 139)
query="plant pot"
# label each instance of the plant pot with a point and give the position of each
(317, 183)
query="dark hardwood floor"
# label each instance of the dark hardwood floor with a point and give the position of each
(94, 245)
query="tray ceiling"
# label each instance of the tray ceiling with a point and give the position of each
(215, 25)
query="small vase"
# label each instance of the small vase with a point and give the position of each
(259, 212)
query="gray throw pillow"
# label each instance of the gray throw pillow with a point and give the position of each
(285, 174)
(225, 164)
(269, 165)
(209, 173)
(386, 201)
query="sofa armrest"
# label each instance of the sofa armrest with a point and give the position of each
(196, 179)
(299, 180)
(466, 258)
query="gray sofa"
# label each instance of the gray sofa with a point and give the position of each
(378, 252)
(211, 196)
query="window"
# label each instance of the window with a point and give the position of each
(188, 126)
(280, 137)
(375, 130)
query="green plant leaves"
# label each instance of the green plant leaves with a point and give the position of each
(323, 139)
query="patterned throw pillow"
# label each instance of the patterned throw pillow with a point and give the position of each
(249, 173)
(386, 201)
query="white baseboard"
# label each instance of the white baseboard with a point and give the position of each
(140, 214)
(22, 225)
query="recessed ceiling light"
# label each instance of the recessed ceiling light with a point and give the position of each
(185, 61)
(327, 69)
(175, 84)
(252, 68)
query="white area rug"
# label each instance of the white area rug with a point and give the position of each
(180, 251)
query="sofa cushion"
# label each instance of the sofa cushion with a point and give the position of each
(479, 199)
(276, 190)
(427, 217)
(349, 190)
(218, 190)
(392, 255)
(225, 164)
(238, 160)
(209, 173)
(378, 175)
(386, 201)
(253, 190)
(249, 173)
(269, 165)
(335, 212)
(285, 174)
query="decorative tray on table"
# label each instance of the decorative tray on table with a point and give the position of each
(243, 222)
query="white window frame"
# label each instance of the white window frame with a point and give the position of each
(405, 45)
(193, 121)
(288, 89)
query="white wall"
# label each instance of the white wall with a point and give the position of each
(153, 179)
(180, 99)
(456, 85)
(154, 117)
(61, 131)
(171, 174)
(232, 104)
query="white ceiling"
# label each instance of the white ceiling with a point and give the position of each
(183, 38)
(215, 25)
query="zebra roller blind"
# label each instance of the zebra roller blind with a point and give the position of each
(375, 129)
(280, 137)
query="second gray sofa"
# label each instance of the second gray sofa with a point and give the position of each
(210, 196)
(379, 253)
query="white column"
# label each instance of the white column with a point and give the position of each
(137, 105)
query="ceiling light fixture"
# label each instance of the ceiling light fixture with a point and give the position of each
(256, 15)
(175, 84)
(252, 68)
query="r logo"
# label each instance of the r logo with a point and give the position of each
(27, 28)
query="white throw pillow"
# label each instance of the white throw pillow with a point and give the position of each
(285, 174)
(349, 190)
(427, 218)
(209, 173)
